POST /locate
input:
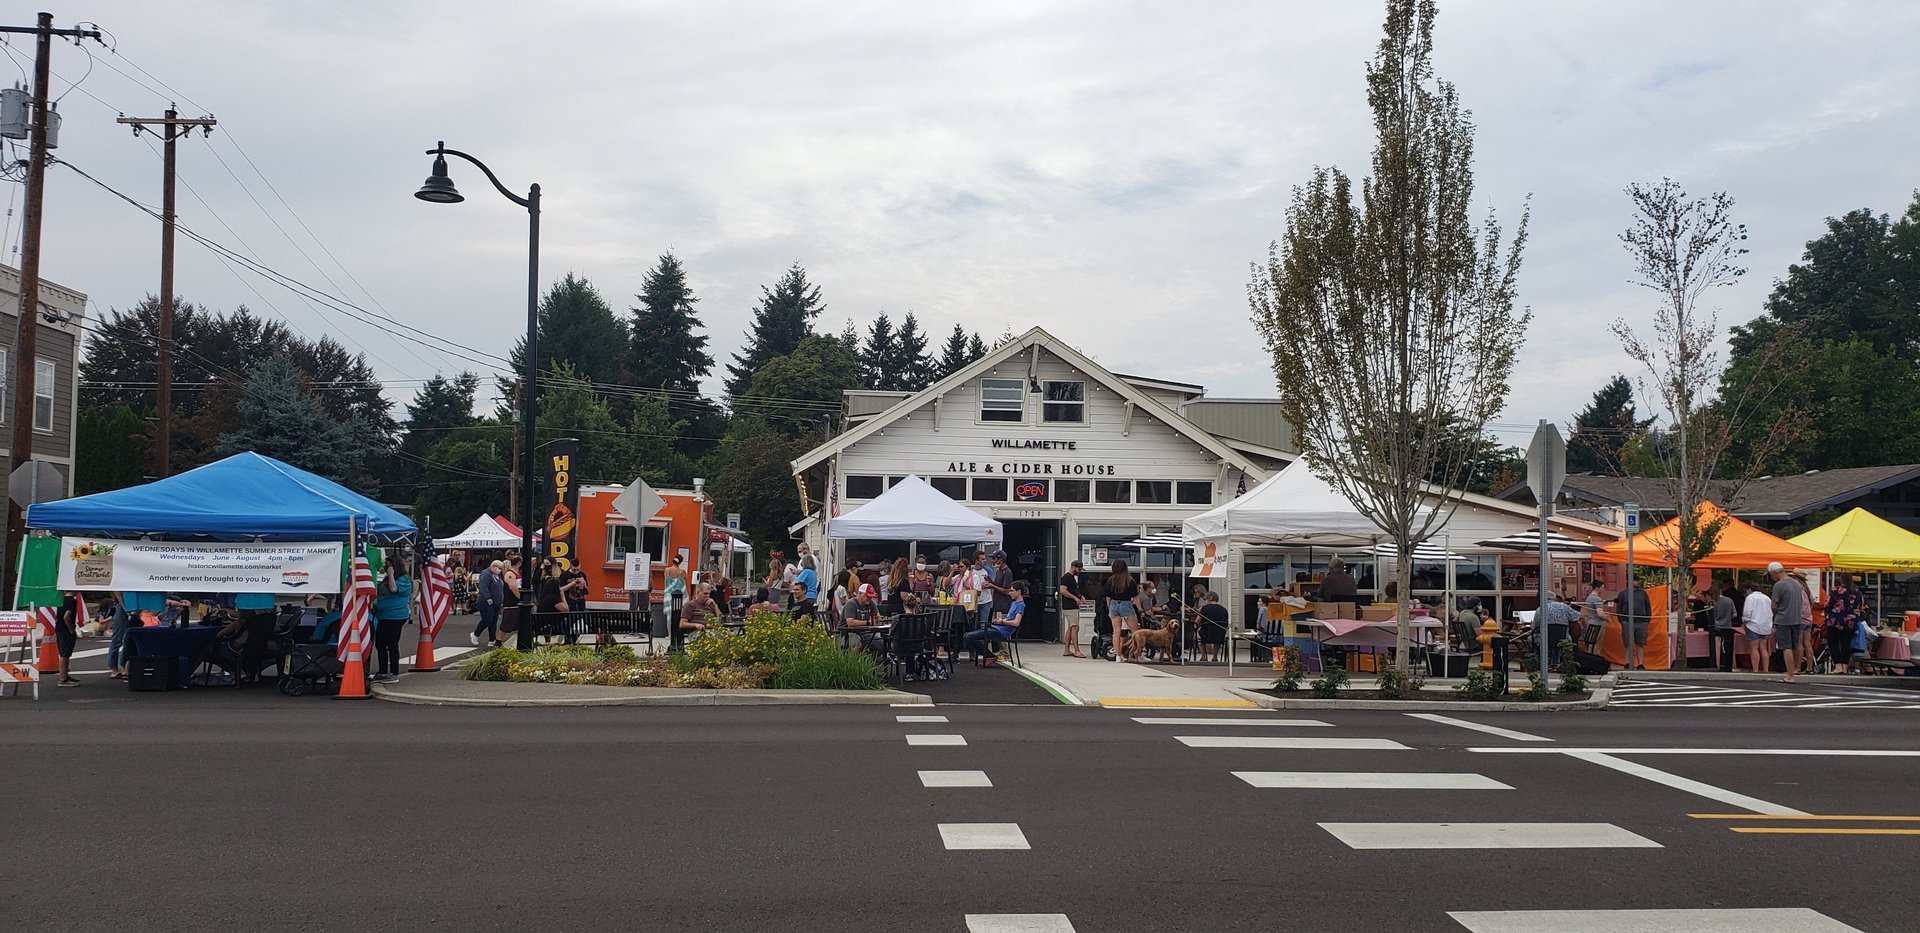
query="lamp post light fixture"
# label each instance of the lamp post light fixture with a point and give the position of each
(439, 189)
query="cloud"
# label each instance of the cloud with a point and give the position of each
(1107, 171)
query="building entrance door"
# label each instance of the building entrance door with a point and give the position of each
(1033, 554)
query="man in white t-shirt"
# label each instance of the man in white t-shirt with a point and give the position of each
(1757, 615)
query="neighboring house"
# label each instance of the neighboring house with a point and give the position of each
(56, 369)
(1891, 492)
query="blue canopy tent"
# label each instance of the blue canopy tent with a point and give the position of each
(245, 497)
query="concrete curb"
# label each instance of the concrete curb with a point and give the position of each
(691, 697)
(1602, 692)
(1061, 693)
(1706, 677)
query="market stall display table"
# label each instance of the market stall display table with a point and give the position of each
(1892, 648)
(1371, 637)
(186, 643)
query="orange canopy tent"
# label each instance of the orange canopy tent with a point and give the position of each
(1741, 547)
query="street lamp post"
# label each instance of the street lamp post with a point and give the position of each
(439, 189)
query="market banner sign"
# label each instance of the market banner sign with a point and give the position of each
(200, 566)
(563, 511)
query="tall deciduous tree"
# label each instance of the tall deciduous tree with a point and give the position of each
(1855, 297)
(757, 482)
(785, 317)
(800, 393)
(1683, 248)
(466, 475)
(279, 418)
(1391, 318)
(1603, 428)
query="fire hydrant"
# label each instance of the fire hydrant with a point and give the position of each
(1489, 630)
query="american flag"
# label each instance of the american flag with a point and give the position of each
(436, 600)
(1241, 489)
(833, 498)
(356, 614)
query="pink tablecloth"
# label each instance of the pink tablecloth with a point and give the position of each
(1892, 648)
(1359, 633)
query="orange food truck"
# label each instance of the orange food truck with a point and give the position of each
(605, 539)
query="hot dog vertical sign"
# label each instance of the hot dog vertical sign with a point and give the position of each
(563, 512)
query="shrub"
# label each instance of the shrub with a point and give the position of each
(618, 654)
(1571, 680)
(766, 637)
(490, 666)
(1290, 672)
(830, 668)
(1394, 685)
(1536, 689)
(1327, 685)
(1480, 685)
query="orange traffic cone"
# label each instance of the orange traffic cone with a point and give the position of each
(49, 660)
(423, 658)
(353, 681)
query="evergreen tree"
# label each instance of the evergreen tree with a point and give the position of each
(954, 355)
(279, 418)
(912, 366)
(784, 317)
(669, 352)
(439, 405)
(880, 355)
(569, 408)
(578, 328)
(976, 348)
(1603, 428)
(111, 446)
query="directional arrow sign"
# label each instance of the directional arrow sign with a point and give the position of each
(1546, 464)
(638, 503)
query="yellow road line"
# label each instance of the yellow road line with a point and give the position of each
(1823, 831)
(1178, 703)
(1809, 816)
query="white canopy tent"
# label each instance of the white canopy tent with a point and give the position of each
(915, 511)
(485, 533)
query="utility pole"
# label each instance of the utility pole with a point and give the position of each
(170, 128)
(27, 317)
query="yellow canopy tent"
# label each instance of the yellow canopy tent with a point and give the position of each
(1861, 540)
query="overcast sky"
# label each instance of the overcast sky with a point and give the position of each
(1104, 170)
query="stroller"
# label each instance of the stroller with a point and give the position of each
(308, 658)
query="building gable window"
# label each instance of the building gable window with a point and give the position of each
(1063, 402)
(1003, 399)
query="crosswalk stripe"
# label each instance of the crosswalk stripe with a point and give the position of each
(1370, 780)
(954, 779)
(1018, 923)
(1487, 836)
(923, 739)
(1271, 741)
(1723, 920)
(969, 836)
(1479, 727)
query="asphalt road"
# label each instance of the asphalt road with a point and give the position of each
(370, 816)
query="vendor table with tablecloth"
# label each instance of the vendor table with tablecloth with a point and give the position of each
(186, 643)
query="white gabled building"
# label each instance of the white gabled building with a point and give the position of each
(1075, 461)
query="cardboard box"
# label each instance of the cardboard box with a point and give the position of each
(1335, 610)
(1377, 613)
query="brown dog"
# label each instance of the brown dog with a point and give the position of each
(1161, 638)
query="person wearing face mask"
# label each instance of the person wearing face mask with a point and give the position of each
(921, 581)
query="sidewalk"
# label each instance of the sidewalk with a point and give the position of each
(1107, 683)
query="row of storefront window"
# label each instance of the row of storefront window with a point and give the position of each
(1025, 489)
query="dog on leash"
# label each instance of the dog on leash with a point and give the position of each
(1144, 638)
